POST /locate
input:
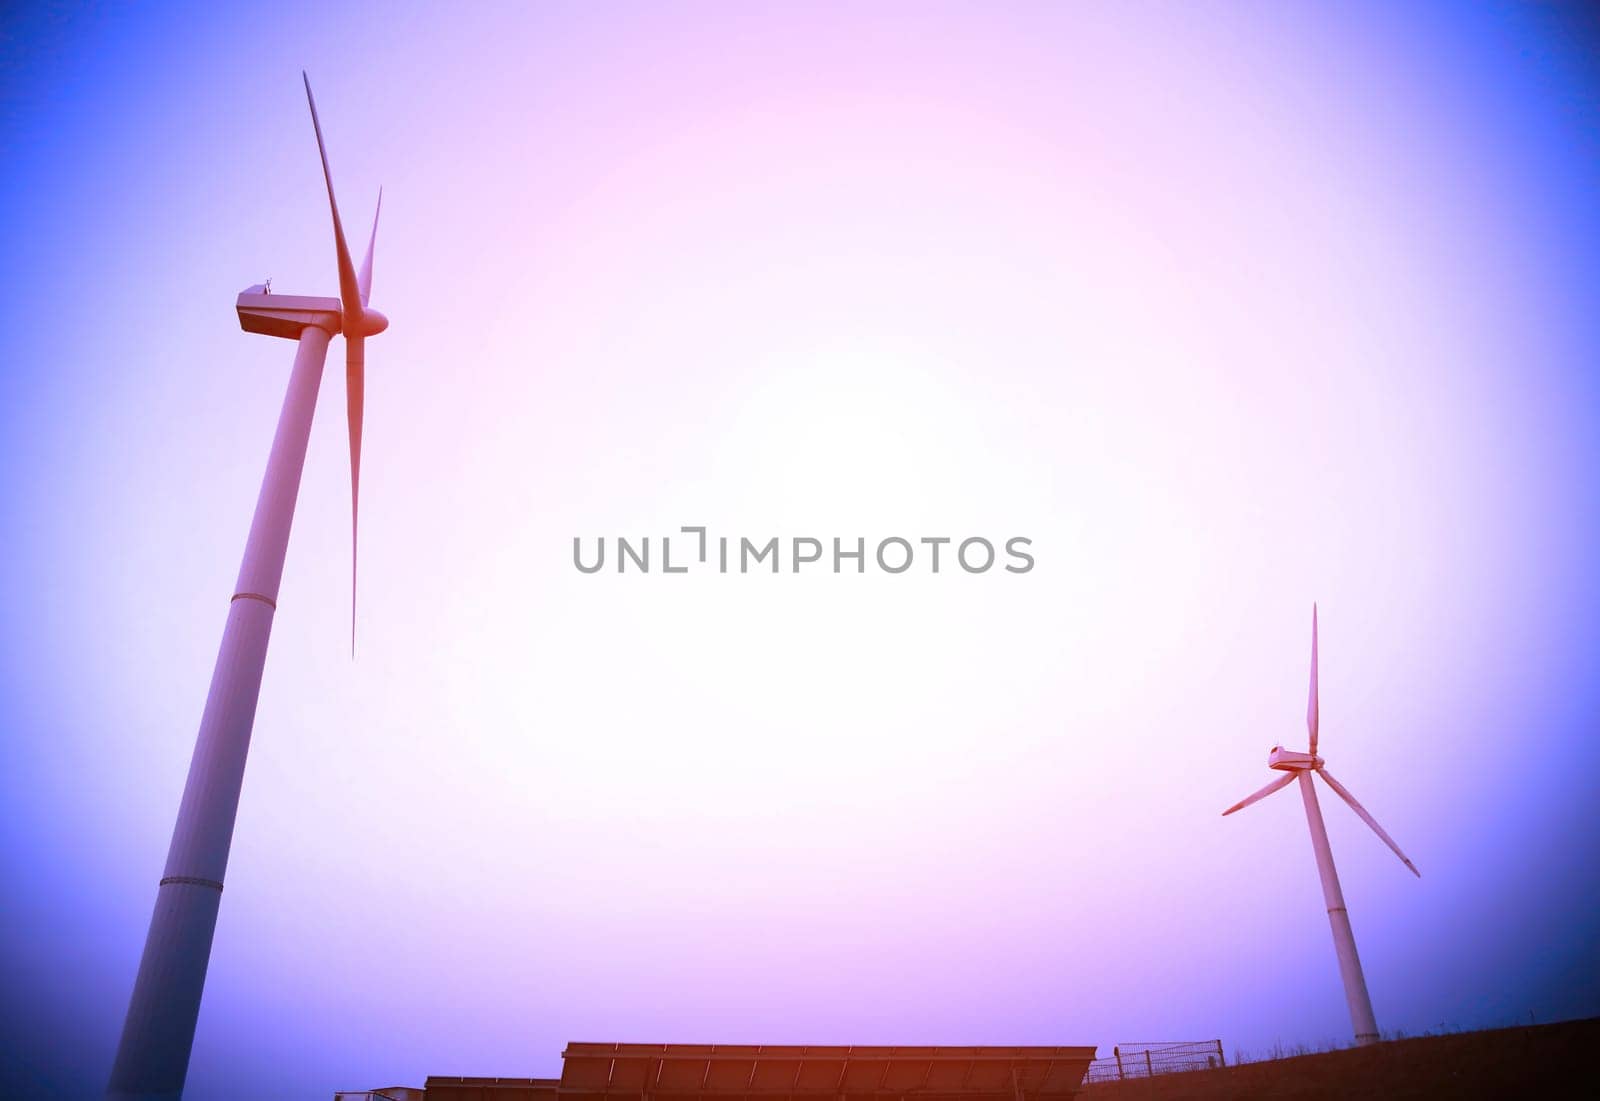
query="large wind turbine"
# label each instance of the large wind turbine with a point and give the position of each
(1300, 766)
(158, 1032)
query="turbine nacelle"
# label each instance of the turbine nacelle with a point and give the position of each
(1292, 760)
(285, 315)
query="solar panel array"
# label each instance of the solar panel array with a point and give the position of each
(689, 1072)
(779, 1072)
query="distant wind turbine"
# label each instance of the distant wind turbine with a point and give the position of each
(1300, 766)
(158, 1032)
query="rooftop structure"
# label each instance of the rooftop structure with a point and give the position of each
(769, 1072)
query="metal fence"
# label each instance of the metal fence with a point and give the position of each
(1149, 1060)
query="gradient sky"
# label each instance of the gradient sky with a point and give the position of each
(1228, 308)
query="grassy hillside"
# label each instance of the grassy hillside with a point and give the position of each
(1534, 1061)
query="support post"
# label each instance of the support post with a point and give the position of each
(1344, 938)
(157, 1034)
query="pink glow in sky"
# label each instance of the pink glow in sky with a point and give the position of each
(1228, 309)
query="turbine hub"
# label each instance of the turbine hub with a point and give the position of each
(372, 322)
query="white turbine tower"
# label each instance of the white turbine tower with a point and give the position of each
(1300, 766)
(158, 1032)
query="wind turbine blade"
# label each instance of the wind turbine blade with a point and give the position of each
(1281, 782)
(349, 289)
(1312, 718)
(364, 278)
(1344, 794)
(355, 352)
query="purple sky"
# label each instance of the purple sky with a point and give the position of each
(1227, 308)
